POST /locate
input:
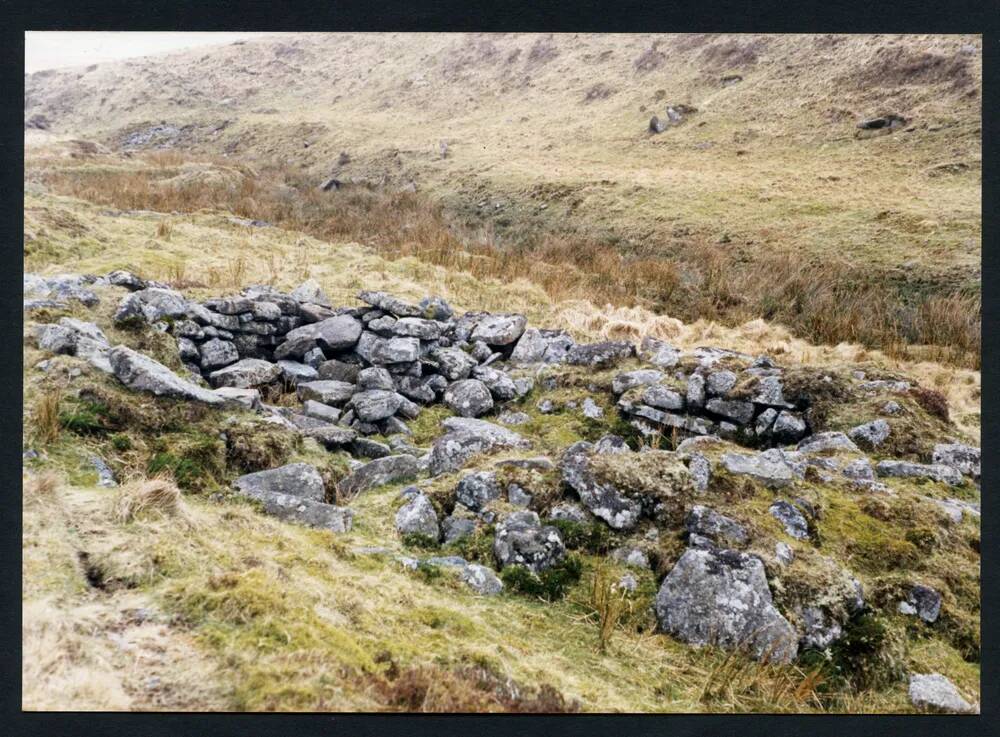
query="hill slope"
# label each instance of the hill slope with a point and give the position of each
(550, 133)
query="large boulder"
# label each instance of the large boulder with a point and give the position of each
(721, 597)
(142, 373)
(604, 500)
(375, 404)
(295, 479)
(499, 330)
(378, 472)
(326, 391)
(418, 517)
(293, 508)
(245, 374)
(337, 333)
(467, 437)
(468, 398)
(522, 540)
(963, 458)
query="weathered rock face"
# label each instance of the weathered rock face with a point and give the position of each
(245, 374)
(476, 490)
(934, 692)
(907, 470)
(770, 470)
(963, 458)
(467, 437)
(522, 540)
(721, 597)
(417, 517)
(378, 472)
(295, 479)
(602, 499)
(468, 398)
(600, 354)
(142, 373)
(715, 528)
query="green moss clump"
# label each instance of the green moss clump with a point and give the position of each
(257, 446)
(85, 417)
(195, 460)
(420, 540)
(121, 442)
(869, 655)
(550, 584)
(593, 537)
(475, 548)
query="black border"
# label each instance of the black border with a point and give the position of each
(808, 16)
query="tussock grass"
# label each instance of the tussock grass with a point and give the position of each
(826, 300)
(45, 420)
(156, 497)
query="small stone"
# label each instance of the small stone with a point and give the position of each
(936, 693)
(870, 435)
(791, 518)
(417, 516)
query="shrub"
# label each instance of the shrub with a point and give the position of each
(419, 540)
(593, 537)
(85, 417)
(933, 402)
(869, 655)
(550, 584)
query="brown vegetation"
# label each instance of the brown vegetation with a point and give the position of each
(819, 299)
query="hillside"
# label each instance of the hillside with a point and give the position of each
(564, 416)
(549, 135)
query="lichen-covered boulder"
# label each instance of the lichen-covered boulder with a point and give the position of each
(378, 472)
(481, 579)
(721, 597)
(604, 500)
(142, 373)
(708, 525)
(600, 354)
(629, 379)
(791, 519)
(467, 437)
(768, 468)
(907, 470)
(522, 540)
(468, 398)
(326, 391)
(963, 458)
(375, 404)
(417, 517)
(246, 374)
(476, 490)
(934, 692)
(453, 363)
(337, 333)
(294, 479)
(871, 434)
(499, 330)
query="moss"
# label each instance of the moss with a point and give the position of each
(85, 417)
(550, 584)
(420, 540)
(591, 537)
(475, 548)
(427, 427)
(195, 460)
(121, 442)
(256, 446)
(869, 655)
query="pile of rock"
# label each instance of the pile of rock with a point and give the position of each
(748, 406)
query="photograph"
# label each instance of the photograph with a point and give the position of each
(460, 372)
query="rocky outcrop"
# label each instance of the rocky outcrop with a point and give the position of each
(721, 597)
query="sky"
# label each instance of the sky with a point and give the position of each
(56, 49)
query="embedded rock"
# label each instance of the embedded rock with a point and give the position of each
(476, 490)
(142, 373)
(791, 519)
(378, 472)
(721, 597)
(522, 540)
(934, 692)
(602, 499)
(481, 579)
(769, 469)
(246, 374)
(467, 437)
(718, 528)
(963, 458)
(623, 382)
(299, 480)
(418, 517)
(907, 470)
(468, 398)
(871, 434)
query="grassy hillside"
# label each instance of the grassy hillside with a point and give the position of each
(547, 153)
(210, 605)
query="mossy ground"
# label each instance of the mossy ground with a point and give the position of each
(264, 615)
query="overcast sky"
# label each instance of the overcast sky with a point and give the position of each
(55, 49)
